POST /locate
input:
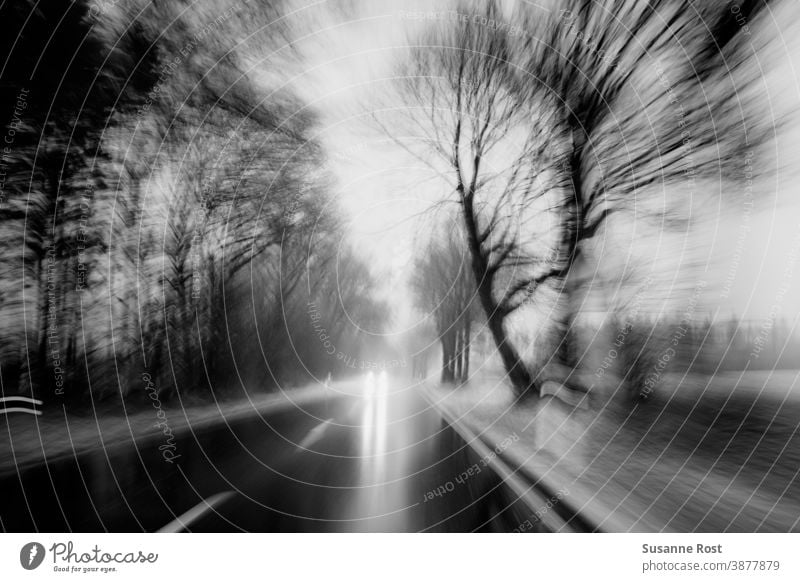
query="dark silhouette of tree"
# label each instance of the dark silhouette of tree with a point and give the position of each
(592, 111)
(155, 174)
(652, 97)
(60, 88)
(498, 154)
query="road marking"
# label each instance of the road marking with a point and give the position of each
(206, 505)
(313, 435)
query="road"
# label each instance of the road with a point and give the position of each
(363, 458)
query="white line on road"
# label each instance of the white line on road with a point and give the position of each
(183, 521)
(313, 435)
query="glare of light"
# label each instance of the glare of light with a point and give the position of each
(381, 425)
(368, 418)
(375, 425)
(369, 383)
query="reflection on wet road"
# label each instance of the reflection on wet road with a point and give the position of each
(361, 459)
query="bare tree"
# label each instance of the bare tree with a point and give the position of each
(153, 162)
(593, 108)
(444, 288)
(465, 106)
(652, 97)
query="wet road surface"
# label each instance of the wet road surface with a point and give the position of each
(367, 457)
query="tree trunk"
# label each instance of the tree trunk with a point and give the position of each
(447, 371)
(458, 352)
(451, 364)
(521, 379)
(565, 353)
(467, 346)
(571, 237)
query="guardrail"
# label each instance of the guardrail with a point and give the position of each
(527, 488)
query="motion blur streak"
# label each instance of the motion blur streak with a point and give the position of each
(375, 431)
(385, 265)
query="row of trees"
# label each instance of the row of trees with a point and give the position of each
(702, 346)
(550, 125)
(443, 288)
(165, 208)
